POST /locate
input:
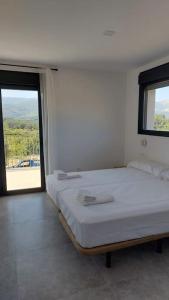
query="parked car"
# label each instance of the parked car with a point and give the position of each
(27, 163)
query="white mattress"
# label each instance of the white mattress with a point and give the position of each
(140, 207)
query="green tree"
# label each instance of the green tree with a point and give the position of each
(21, 139)
(161, 123)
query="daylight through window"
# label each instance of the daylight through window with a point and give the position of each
(153, 116)
(157, 107)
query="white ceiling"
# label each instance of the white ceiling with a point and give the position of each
(70, 32)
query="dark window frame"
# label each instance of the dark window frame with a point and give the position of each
(157, 75)
(22, 81)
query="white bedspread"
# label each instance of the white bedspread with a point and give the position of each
(141, 205)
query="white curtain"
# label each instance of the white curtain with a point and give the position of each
(48, 96)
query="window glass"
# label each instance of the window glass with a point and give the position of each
(156, 112)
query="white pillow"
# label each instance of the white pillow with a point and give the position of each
(165, 175)
(148, 166)
(157, 168)
(140, 164)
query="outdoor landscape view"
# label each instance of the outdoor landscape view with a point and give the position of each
(21, 138)
(161, 118)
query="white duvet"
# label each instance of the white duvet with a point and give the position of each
(140, 206)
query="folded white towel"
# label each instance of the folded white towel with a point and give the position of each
(64, 176)
(61, 175)
(72, 176)
(86, 197)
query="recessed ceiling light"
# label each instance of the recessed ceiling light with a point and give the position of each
(109, 32)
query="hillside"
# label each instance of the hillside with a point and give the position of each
(162, 107)
(16, 108)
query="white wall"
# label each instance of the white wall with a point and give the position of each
(157, 147)
(89, 112)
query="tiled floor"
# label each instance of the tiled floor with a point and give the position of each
(38, 262)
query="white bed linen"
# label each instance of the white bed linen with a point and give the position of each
(141, 206)
(91, 178)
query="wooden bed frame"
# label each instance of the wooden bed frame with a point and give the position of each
(109, 248)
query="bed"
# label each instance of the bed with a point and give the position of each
(138, 214)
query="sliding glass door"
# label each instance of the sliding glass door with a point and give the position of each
(21, 160)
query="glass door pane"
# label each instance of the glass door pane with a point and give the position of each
(21, 138)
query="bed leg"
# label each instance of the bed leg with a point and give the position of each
(108, 260)
(159, 248)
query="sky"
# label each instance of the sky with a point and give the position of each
(162, 93)
(19, 93)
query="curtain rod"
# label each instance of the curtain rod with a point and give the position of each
(22, 66)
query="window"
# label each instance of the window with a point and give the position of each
(157, 106)
(154, 101)
(21, 144)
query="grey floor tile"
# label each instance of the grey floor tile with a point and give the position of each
(8, 279)
(103, 292)
(38, 235)
(124, 266)
(7, 240)
(147, 288)
(32, 207)
(58, 273)
(6, 210)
